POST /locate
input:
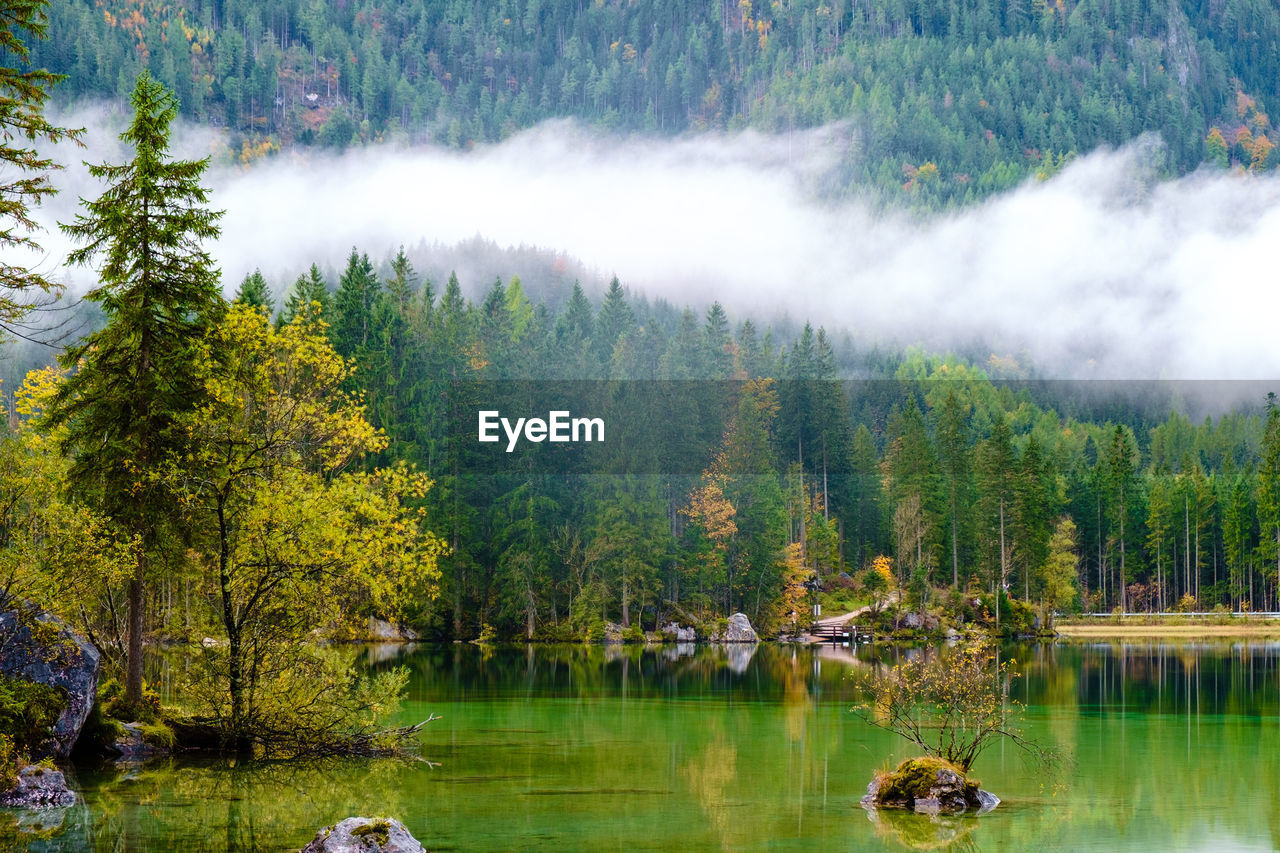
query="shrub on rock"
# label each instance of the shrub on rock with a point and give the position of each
(929, 785)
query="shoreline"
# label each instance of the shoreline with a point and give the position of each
(1156, 626)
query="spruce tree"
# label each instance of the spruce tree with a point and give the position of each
(354, 302)
(134, 380)
(309, 296)
(24, 181)
(255, 293)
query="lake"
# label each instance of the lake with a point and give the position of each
(1173, 747)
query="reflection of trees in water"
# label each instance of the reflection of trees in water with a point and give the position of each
(1172, 741)
(219, 806)
(709, 777)
(925, 832)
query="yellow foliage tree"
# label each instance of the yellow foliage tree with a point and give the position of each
(294, 541)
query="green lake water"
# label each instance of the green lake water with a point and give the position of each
(1173, 747)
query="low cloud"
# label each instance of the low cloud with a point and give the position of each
(1097, 272)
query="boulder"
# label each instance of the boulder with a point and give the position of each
(930, 786)
(739, 630)
(920, 622)
(613, 633)
(42, 649)
(382, 631)
(140, 742)
(39, 787)
(365, 835)
(680, 632)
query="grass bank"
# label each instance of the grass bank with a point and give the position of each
(1169, 625)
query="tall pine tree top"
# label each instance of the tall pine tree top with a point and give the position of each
(159, 289)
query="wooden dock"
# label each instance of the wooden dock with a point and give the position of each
(831, 632)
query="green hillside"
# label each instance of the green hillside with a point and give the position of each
(943, 102)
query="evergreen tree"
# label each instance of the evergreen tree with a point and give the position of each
(614, 320)
(309, 293)
(24, 181)
(134, 380)
(253, 291)
(953, 448)
(1269, 489)
(1120, 466)
(353, 305)
(997, 487)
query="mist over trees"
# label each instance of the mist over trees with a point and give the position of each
(943, 103)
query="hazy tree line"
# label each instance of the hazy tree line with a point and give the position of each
(769, 468)
(945, 102)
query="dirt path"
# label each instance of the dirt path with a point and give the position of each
(844, 618)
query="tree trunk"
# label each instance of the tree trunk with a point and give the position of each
(133, 656)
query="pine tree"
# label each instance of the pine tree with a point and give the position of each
(254, 292)
(354, 303)
(309, 294)
(953, 448)
(997, 485)
(136, 378)
(23, 179)
(1269, 489)
(1120, 466)
(614, 320)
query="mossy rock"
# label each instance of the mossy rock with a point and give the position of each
(365, 835)
(377, 830)
(929, 785)
(158, 735)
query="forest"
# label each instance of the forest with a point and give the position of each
(747, 461)
(938, 103)
(753, 461)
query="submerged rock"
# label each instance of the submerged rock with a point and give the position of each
(57, 829)
(43, 650)
(39, 787)
(365, 835)
(929, 786)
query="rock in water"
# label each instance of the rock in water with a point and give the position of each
(365, 835)
(39, 788)
(929, 786)
(739, 630)
(45, 651)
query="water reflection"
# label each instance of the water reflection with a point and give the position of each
(736, 748)
(925, 832)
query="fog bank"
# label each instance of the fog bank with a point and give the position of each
(1097, 272)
